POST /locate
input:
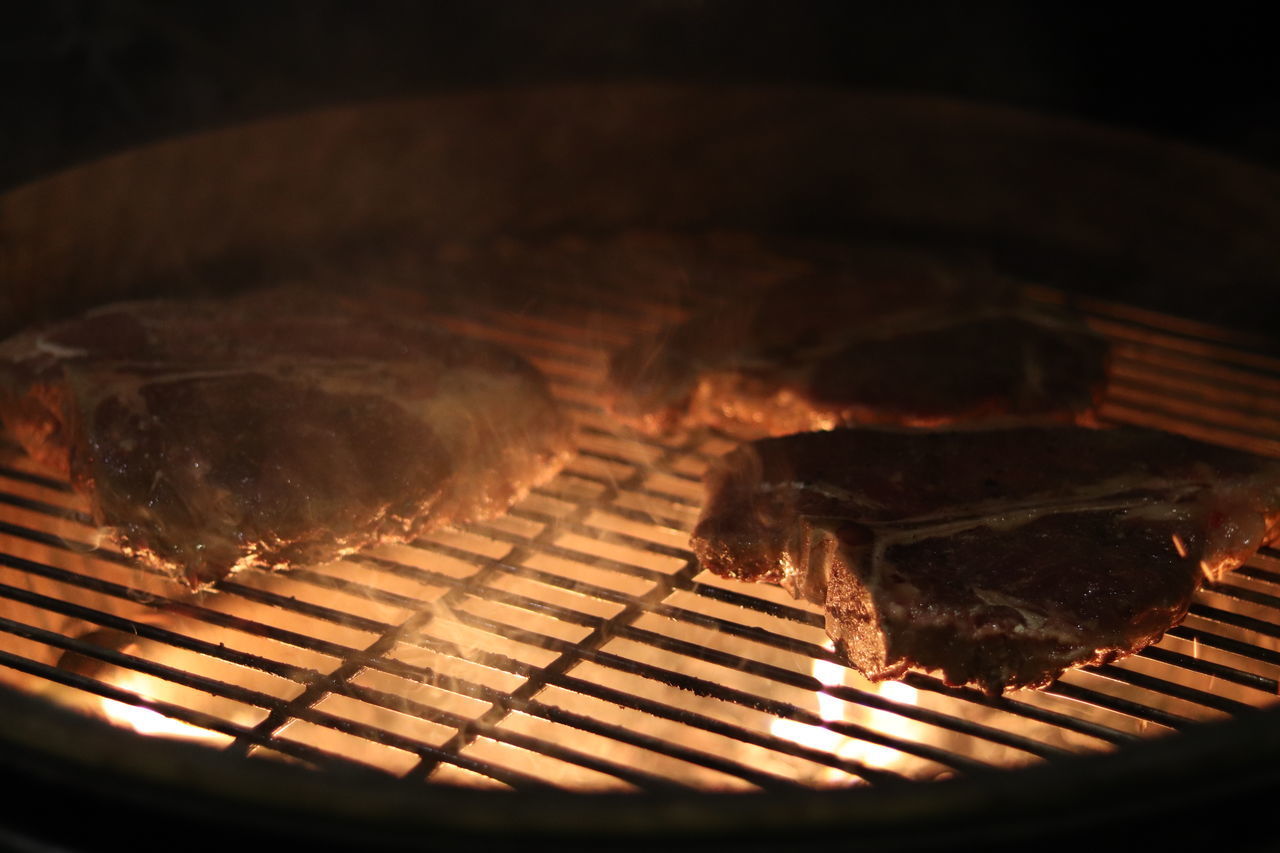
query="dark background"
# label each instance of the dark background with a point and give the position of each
(81, 78)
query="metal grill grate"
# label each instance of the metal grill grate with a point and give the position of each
(575, 642)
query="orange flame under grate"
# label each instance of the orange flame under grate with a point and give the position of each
(576, 643)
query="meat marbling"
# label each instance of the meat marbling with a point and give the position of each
(998, 556)
(278, 427)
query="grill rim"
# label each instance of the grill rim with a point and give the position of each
(1236, 752)
(220, 237)
(1204, 765)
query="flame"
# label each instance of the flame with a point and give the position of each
(145, 721)
(833, 709)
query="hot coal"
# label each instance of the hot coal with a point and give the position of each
(998, 556)
(879, 338)
(276, 428)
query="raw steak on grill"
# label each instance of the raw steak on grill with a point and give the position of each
(885, 338)
(278, 427)
(998, 556)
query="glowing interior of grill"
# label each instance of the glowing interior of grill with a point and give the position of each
(576, 643)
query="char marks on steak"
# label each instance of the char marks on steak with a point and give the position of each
(278, 427)
(879, 338)
(998, 556)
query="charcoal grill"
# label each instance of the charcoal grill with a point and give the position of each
(572, 650)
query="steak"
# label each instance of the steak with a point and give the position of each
(998, 556)
(278, 427)
(883, 339)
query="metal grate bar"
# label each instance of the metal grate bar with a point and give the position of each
(45, 508)
(677, 581)
(480, 725)
(760, 605)
(375, 661)
(1259, 426)
(213, 723)
(176, 608)
(1231, 399)
(1258, 572)
(521, 703)
(1154, 321)
(638, 778)
(140, 665)
(171, 710)
(388, 636)
(301, 640)
(21, 476)
(695, 720)
(1208, 639)
(1115, 413)
(703, 687)
(691, 650)
(550, 490)
(1169, 688)
(695, 651)
(548, 712)
(1173, 364)
(309, 677)
(675, 714)
(849, 694)
(920, 681)
(1240, 593)
(507, 664)
(602, 593)
(782, 676)
(1130, 707)
(1226, 673)
(1217, 614)
(647, 517)
(569, 654)
(261, 700)
(1206, 351)
(141, 630)
(318, 611)
(368, 626)
(70, 545)
(634, 495)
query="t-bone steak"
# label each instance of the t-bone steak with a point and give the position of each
(278, 427)
(998, 556)
(881, 338)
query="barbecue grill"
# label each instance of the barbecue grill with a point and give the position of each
(572, 650)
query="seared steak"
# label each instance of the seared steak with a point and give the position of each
(998, 556)
(891, 339)
(276, 428)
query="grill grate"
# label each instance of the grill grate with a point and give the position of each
(576, 643)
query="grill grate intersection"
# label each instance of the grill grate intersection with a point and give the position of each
(580, 635)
